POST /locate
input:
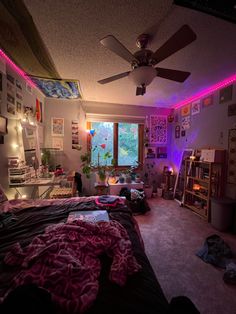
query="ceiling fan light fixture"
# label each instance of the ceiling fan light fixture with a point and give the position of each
(143, 75)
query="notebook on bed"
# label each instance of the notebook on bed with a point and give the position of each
(89, 215)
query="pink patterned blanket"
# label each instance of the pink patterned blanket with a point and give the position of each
(65, 261)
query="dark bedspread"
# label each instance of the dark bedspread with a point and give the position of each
(141, 294)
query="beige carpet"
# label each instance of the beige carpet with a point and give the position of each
(172, 234)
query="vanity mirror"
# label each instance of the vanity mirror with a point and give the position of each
(31, 146)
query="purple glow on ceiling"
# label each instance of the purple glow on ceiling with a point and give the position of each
(16, 68)
(206, 91)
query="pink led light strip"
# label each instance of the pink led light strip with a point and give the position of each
(207, 91)
(16, 68)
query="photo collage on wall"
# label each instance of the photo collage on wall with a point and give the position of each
(75, 134)
(188, 111)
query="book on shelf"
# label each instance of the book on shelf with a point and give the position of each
(88, 215)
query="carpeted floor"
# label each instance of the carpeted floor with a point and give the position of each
(172, 234)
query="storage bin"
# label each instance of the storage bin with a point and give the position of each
(222, 213)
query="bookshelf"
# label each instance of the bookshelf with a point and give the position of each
(203, 180)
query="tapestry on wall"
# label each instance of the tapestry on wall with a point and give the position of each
(232, 157)
(158, 129)
(64, 89)
(75, 133)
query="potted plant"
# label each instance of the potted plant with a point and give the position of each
(99, 167)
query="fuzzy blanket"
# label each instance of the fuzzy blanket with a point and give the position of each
(65, 261)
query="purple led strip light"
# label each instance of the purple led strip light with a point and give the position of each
(207, 91)
(16, 68)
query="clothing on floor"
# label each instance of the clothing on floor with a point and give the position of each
(215, 251)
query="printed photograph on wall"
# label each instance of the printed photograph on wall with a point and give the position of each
(232, 110)
(18, 107)
(226, 94)
(150, 152)
(231, 177)
(11, 107)
(207, 101)
(29, 132)
(28, 111)
(185, 111)
(75, 133)
(29, 88)
(19, 96)
(162, 152)
(195, 107)
(57, 126)
(177, 131)
(158, 129)
(186, 123)
(18, 85)
(10, 78)
(10, 88)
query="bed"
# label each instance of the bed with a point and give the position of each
(24, 221)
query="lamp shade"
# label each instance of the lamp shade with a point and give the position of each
(142, 75)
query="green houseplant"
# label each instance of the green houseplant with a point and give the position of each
(99, 167)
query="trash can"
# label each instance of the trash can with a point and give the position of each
(222, 213)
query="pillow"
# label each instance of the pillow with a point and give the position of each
(3, 197)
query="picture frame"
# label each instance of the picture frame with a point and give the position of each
(3, 125)
(57, 126)
(29, 132)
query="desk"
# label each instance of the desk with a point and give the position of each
(46, 185)
(114, 188)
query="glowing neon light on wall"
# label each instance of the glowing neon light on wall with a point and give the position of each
(207, 91)
(16, 68)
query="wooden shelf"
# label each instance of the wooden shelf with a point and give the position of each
(198, 179)
(195, 172)
(199, 211)
(199, 195)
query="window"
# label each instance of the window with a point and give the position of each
(124, 141)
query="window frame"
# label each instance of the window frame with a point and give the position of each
(115, 144)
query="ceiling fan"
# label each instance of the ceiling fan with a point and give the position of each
(143, 61)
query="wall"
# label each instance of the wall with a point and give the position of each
(14, 135)
(209, 129)
(75, 109)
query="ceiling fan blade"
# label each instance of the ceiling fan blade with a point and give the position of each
(113, 78)
(183, 37)
(174, 75)
(117, 47)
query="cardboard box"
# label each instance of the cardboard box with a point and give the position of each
(213, 155)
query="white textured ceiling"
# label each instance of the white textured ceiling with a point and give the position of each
(71, 31)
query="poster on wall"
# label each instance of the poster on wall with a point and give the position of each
(226, 94)
(185, 111)
(57, 126)
(231, 177)
(186, 123)
(150, 152)
(207, 101)
(195, 107)
(57, 143)
(75, 133)
(162, 152)
(158, 129)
